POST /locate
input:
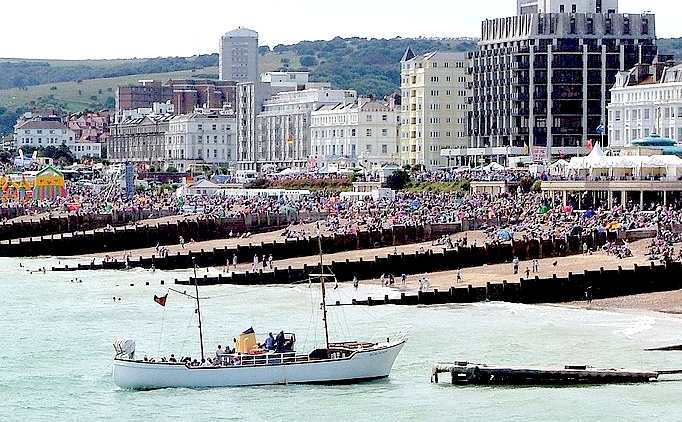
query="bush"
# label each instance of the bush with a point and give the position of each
(537, 186)
(398, 180)
(308, 61)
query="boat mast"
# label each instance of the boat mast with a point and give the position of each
(324, 293)
(196, 287)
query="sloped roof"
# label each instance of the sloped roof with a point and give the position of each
(42, 124)
(409, 55)
(242, 32)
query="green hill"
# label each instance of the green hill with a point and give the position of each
(369, 66)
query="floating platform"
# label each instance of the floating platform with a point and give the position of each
(480, 374)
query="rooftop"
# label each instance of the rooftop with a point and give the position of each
(42, 124)
(242, 32)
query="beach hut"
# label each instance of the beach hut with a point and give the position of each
(49, 184)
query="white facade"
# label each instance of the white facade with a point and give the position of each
(239, 56)
(641, 109)
(53, 133)
(434, 107)
(282, 135)
(363, 133)
(201, 138)
(84, 149)
(43, 134)
(566, 6)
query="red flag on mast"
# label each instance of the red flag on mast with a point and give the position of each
(161, 300)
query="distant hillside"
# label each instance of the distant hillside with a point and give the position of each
(369, 66)
(670, 46)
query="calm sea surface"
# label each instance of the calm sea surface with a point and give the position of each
(56, 353)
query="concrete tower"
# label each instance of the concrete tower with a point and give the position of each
(239, 56)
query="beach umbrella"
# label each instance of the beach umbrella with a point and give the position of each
(504, 235)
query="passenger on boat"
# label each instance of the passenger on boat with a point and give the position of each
(219, 352)
(269, 342)
(172, 358)
(282, 345)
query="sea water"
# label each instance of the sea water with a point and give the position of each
(57, 331)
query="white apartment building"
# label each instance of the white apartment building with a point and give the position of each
(282, 135)
(434, 107)
(525, 7)
(203, 137)
(238, 53)
(49, 132)
(250, 99)
(646, 100)
(363, 133)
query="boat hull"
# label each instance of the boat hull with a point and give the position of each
(361, 366)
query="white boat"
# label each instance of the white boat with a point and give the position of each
(336, 364)
(347, 362)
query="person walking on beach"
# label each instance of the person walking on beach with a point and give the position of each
(355, 282)
(182, 242)
(270, 261)
(255, 263)
(234, 260)
(527, 272)
(459, 275)
(515, 263)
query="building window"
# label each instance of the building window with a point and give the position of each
(369, 132)
(599, 6)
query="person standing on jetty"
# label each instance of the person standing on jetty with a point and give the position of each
(515, 263)
(181, 240)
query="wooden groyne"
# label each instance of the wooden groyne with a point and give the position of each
(600, 284)
(147, 235)
(75, 222)
(481, 374)
(409, 263)
(290, 248)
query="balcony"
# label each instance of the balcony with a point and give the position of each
(520, 65)
(517, 80)
(519, 130)
(517, 111)
(519, 96)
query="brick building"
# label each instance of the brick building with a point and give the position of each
(185, 94)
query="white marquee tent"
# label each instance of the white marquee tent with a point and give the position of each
(598, 165)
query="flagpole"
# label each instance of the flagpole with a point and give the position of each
(196, 287)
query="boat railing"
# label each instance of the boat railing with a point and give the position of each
(264, 359)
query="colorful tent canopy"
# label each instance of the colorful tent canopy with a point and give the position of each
(49, 184)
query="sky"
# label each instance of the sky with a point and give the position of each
(80, 29)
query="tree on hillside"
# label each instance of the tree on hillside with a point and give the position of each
(398, 180)
(308, 61)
